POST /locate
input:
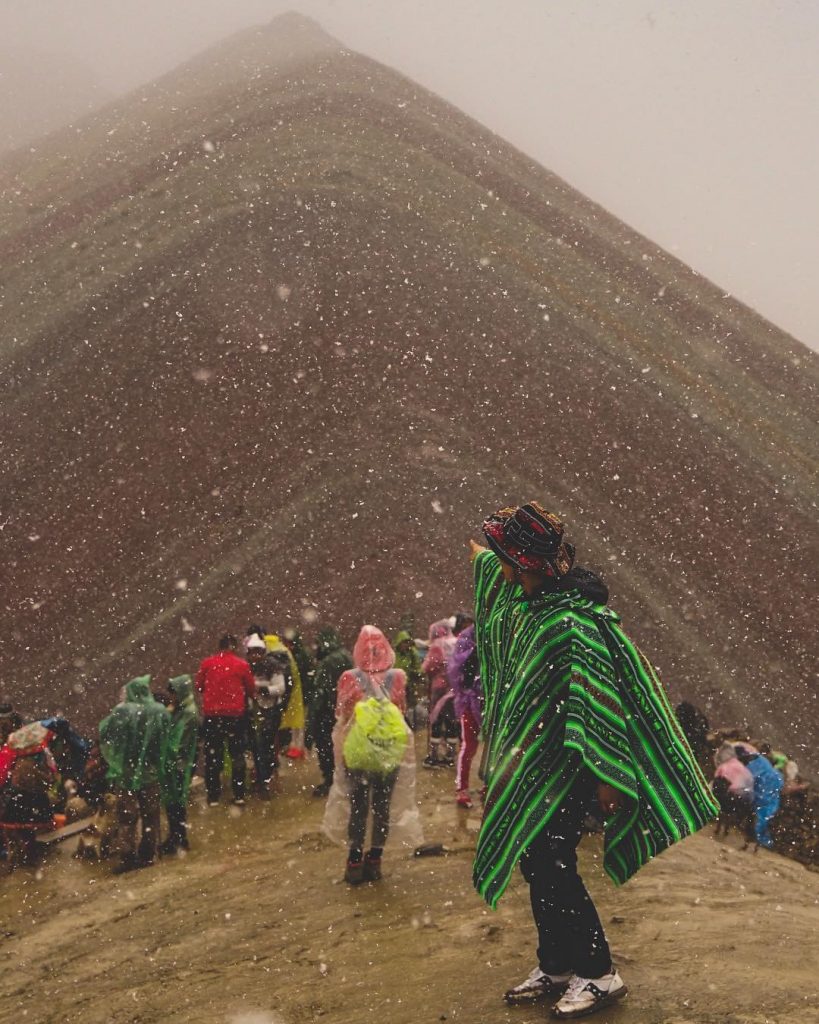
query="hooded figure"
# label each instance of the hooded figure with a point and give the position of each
(134, 742)
(70, 750)
(462, 672)
(274, 684)
(332, 661)
(391, 793)
(409, 661)
(27, 772)
(293, 715)
(444, 725)
(180, 761)
(768, 784)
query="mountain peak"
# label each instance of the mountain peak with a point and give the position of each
(300, 26)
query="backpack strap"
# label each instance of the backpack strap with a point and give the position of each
(373, 689)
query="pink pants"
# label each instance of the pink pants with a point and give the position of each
(469, 744)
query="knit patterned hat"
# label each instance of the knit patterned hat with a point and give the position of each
(530, 538)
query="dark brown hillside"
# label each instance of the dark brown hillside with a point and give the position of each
(296, 324)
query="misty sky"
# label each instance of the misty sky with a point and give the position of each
(693, 120)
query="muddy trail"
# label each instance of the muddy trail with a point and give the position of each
(255, 926)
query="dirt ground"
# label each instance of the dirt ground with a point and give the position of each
(255, 926)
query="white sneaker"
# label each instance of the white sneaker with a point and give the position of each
(586, 995)
(536, 987)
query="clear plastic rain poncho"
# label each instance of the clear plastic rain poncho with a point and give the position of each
(134, 738)
(372, 655)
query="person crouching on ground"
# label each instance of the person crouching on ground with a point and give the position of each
(373, 748)
(134, 743)
(572, 711)
(180, 762)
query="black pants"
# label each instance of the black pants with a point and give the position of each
(219, 730)
(177, 825)
(571, 938)
(322, 727)
(365, 787)
(266, 743)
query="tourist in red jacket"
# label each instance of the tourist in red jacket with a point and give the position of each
(225, 682)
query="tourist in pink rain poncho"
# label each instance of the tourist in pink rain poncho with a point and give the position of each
(443, 722)
(374, 760)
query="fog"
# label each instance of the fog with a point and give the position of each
(693, 121)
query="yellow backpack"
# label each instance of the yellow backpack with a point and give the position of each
(377, 739)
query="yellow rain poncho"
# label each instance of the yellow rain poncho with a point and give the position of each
(293, 717)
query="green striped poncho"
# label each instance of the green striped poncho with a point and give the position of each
(566, 689)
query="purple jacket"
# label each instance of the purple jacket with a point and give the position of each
(462, 673)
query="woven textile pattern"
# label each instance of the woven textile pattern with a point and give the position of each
(566, 689)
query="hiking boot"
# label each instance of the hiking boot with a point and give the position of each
(322, 789)
(464, 800)
(168, 847)
(587, 995)
(537, 987)
(354, 872)
(372, 869)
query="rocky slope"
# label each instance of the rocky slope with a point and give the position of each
(280, 328)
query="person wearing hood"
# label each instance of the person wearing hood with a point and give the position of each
(305, 663)
(409, 661)
(179, 762)
(70, 750)
(134, 742)
(442, 720)
(332, 661)
(293, 708)
(572, 712)
(274, 684)
(462, 672)
(768, 785)
(371, 703)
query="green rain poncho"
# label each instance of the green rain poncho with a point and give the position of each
(333, 660)
(566, 690)
(410, 664)
(181, 757)
(134, 738)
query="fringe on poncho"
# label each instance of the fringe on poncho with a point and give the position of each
(565, 689)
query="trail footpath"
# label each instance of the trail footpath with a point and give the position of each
(255, 926)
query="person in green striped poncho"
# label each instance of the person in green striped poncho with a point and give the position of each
(573, 712)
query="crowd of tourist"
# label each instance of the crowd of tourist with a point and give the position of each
(575, 722)
(256, 700)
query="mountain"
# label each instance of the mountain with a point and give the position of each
(40, 92)
(279, 329)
